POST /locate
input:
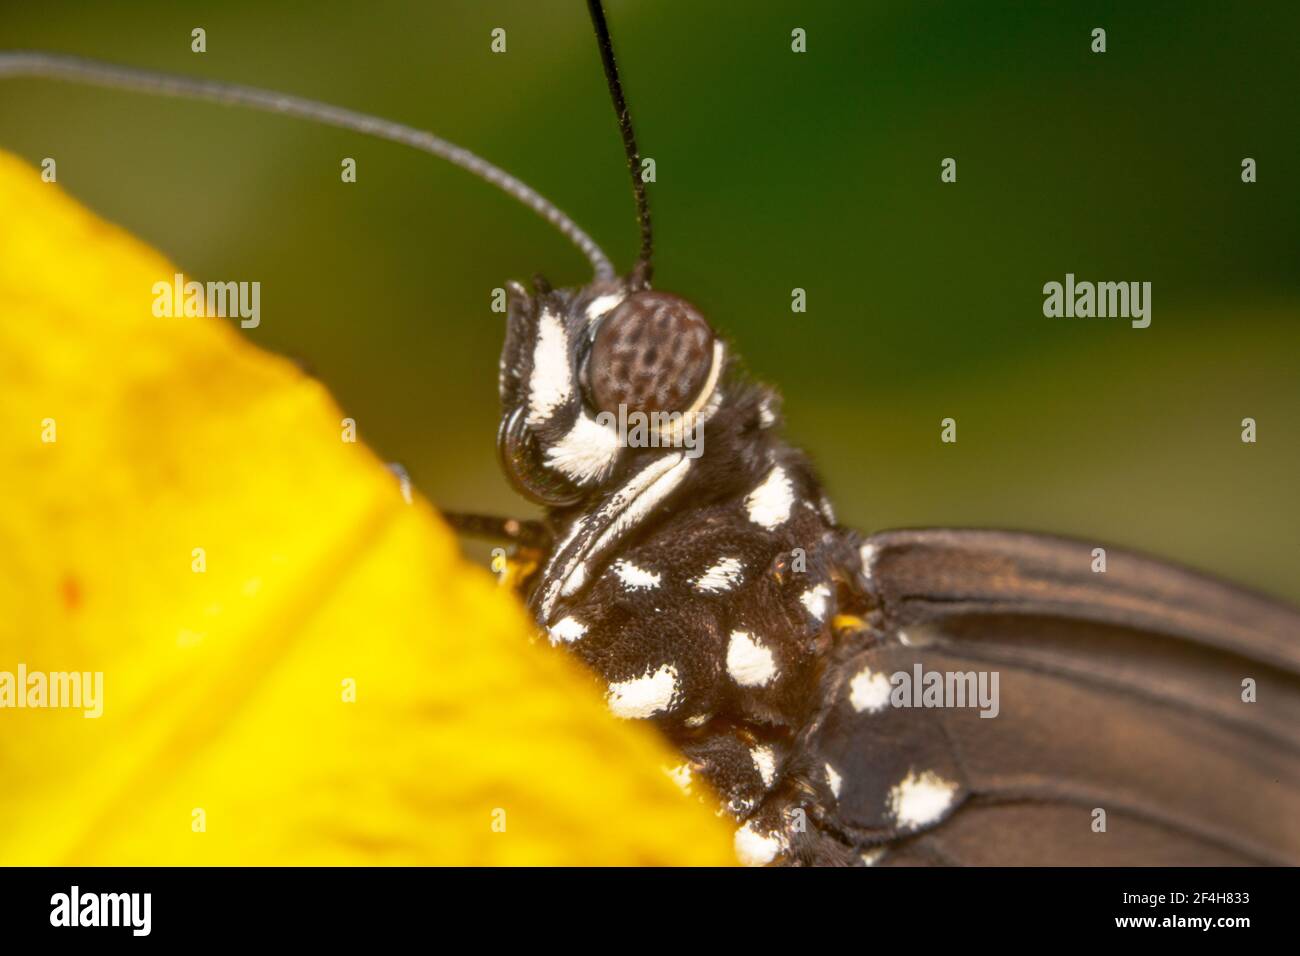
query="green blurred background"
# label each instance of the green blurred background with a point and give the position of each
(775, 170)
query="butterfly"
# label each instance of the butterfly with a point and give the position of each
(906, 697)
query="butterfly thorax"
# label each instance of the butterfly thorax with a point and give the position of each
(699, 583)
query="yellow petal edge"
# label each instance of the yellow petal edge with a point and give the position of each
(225, 736)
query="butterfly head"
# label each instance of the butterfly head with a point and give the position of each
(595, 379)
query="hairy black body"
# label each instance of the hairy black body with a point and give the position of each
(709, 612)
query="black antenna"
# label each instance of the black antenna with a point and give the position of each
(644, 266)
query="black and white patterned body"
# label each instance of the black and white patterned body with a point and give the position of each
(701, 585)
(710, 591)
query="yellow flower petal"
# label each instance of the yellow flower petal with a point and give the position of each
(223, 699)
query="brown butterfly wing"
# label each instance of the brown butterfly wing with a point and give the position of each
(1120, 691)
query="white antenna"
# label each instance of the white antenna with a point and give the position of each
(95, 73)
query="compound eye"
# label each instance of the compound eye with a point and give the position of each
(652, 353)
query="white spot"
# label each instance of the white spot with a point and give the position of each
(567, 629)
(918, 801)
(680, 775)
(586, 453)
(633, 577)
(577, 579)
(766, 417)
(721, 577)
(699, 720)
(551, 381)
(737, 807)
(756, 849)
(867, 554)
(834, 780)
(828, 510)
(869, 692)
(769, 504)
(765, 762)
(603, 303)
(814, 599)
(749, 662)
(644, 696)
(872, 857)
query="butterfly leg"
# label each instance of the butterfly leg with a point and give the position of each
(522, 532)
